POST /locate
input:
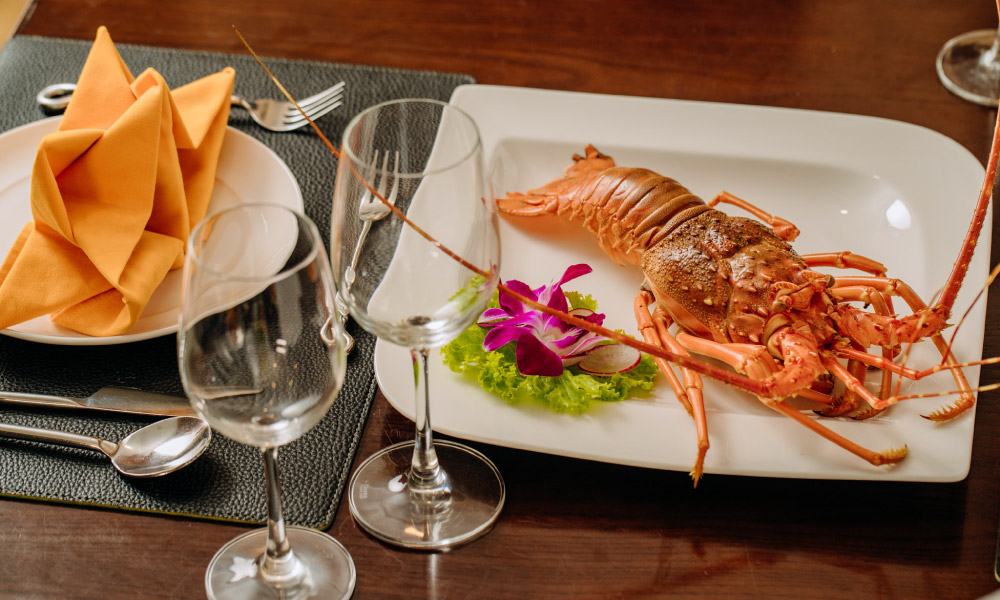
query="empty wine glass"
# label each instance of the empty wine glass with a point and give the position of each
(261, 356)
(418, 286)
(969, 66)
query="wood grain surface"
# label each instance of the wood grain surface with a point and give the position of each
(571, 528)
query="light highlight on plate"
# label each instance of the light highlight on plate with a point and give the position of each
(898, 215)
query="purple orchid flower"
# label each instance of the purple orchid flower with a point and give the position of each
(545, 345)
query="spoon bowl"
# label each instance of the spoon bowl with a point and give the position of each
(156, 449)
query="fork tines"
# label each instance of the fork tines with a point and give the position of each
(317, 105)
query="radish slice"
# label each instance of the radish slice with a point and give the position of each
(610, 359)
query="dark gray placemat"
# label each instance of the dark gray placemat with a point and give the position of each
(227, 482)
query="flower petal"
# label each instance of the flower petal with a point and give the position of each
(512, 305)
(493, 316)
(543, 343)
(575, 271)
(552, 295)
(501, 336)
(588, 315)
(585, 344)
(533, 358)
(570, 340)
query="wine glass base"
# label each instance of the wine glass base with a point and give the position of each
(967, 65)
(233, 571)
(383, 504)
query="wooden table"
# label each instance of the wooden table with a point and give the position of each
(575, 529)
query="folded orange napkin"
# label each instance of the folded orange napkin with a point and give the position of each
(114, 194)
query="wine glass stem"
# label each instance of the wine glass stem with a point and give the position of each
(279, 562)
(425, 472)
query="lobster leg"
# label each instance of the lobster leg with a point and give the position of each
(781, 227)
(747, 357)
(848, 260)
(860, 293)
(848, 401)
(648, 329)
(885, 285)
(753, 360)
(896, 287)
(881, 303)
(845, 260)
(876, 458)
(853, 380)
(654, 329)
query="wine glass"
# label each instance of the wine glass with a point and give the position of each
(418, 285)
(969, 66)
(261, 357)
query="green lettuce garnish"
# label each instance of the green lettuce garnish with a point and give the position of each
(571, 392)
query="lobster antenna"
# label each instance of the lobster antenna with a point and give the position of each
(709, 370)
(909, 346)
(983, 388)
(988, 190)
(337, 154)
(979, 294)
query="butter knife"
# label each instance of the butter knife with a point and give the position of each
(122, 400)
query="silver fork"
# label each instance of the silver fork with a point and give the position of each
(370, 210)
(276, 115)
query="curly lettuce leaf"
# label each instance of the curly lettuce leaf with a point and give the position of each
(578, 300)
(571, 392)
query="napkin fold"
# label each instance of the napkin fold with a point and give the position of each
(115, 191)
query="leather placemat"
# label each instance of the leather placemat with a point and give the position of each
(227, 482)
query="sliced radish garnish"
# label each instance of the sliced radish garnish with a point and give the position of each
(610, 359)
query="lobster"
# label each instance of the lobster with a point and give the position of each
(739, 293)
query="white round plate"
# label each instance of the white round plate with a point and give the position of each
(248, 172)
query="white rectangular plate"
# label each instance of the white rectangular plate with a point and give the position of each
(895, 192)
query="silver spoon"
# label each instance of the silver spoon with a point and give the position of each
(156, 449)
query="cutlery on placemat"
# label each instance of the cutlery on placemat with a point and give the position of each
(156, 449)
(123, 400)
(276, 115)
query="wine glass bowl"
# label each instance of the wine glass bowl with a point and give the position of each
(969, 66)
(262, 358)
(374, 271)
(417, 279)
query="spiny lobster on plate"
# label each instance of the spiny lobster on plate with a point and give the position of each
(739, 293)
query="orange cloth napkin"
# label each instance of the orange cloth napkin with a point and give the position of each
(114, 194)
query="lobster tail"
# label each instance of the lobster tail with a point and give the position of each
(629, 209)
(545, 200)
(526, 205)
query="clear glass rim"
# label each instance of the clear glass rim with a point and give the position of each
(347, 151)
(956, 87)
(195, 258)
